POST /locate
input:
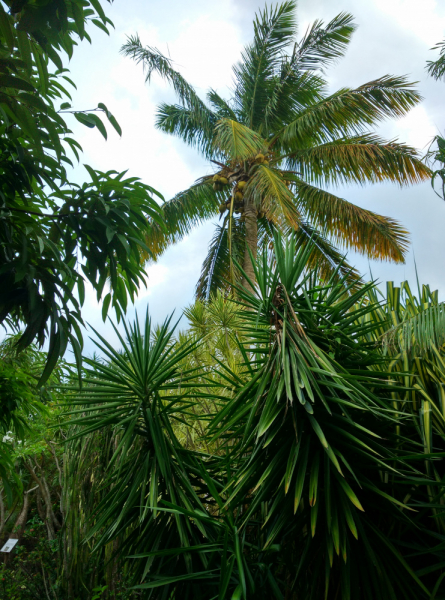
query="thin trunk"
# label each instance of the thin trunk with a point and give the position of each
(59, 470)
(251, 224)
(20, 524)
(50, 518)
(40, 508)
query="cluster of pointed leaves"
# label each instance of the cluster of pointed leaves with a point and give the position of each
(313, 140)
(314, 487)
(48, 223)
(411, 330)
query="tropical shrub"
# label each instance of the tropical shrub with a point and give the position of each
(310, 482)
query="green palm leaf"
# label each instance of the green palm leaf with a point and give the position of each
(268, 190)
(322, 44)
(196, 128)
(154, 62)
(274, 31)
(221, 106)
(215, 273)
(236, 141)
(181, 214)
(364, 158)
(349, 111)
(436, 68)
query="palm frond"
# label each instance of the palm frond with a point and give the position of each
(421, 331)
(222, 107)
(291, 92)
(324, 44)
(268, 190)
(154, 61)
(436, 68)
(236, 141)
(215, 272)
(360, 159)
(195, 128)
(275, 29)
(326, 258)
(349, 112)
(414, 324)
(350, 226)
(181, 215)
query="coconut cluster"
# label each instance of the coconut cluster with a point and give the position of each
(260, 159)
(219, 181)
(240, 177)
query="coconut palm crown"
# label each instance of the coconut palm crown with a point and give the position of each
(279, 146)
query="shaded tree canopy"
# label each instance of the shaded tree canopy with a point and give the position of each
(56, 235)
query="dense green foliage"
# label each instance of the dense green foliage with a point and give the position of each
(289, 443)
(314, 471)
(54, 234)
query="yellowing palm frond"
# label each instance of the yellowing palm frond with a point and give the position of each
(350, 226)
(360, 159)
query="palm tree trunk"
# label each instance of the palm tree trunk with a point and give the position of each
(251, 223)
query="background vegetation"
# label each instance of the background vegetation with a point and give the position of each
(289, 442)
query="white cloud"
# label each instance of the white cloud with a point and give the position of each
(420, 18)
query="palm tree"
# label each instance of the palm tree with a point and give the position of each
(276, 141)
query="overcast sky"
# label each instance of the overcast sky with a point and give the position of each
(205, 38)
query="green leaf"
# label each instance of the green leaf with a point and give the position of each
(6, 29)
(238, 593)
(106, 305)
(318, 430)
(350, 494)
(100, 25)
(114, 123)
(98, 8)
(99, 124)
(81, 289)
(11, 81)
(33, 100)
(86, 120)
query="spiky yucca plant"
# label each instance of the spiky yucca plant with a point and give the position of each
(311, 484)
(279, 144)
